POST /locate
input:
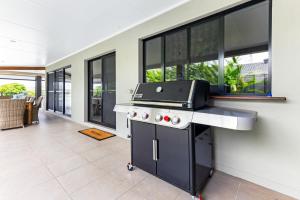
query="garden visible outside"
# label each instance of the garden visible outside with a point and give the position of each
(11, 89)
(242, 74)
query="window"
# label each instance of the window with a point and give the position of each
(204, 48)
(59, 91)
(229, 49)
(153, 60)
(246, 40)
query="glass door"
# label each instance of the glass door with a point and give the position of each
(68, 91)
(95, 90)
(102, 84)
(50, 90)
(59, 90)
(109, 90)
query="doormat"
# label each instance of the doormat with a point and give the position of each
(96, 133)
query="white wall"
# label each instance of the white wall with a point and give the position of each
(268, 155)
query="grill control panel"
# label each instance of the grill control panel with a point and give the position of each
(165, 117)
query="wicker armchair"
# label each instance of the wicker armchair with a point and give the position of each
(35, 109)
(5, 97)
(12, 113)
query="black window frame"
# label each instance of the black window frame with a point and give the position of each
(54, 90)
(221, 16)
(89, 85)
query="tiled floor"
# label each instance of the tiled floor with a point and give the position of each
(52, 161)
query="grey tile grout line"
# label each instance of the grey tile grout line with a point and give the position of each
(54, 177)
(59, 183)
(237, 191)
(130, 188)
(44, 165)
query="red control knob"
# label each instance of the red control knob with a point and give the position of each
(167, 118)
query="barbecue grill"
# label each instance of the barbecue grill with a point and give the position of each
(171, 131)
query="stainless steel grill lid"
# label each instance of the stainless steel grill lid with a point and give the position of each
(181, 94)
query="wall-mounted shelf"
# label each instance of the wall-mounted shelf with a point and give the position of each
(249, 98)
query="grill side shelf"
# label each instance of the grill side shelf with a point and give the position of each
(226, 118)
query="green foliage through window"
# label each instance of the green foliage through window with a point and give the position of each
(234, 80)
(97, 91)
(12, 89)
(154, 75)
(239, 83)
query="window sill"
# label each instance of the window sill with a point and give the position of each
(249, 98)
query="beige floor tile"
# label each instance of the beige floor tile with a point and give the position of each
(50, 190)
(154, 188)
(10, 186)
(66, 165)
(220, 186)
(250, 191)
(107, 187)
(19, 166)
(76, 179)
(50, 156)
(97, 153)
(131, 195)
(84, 145)
(112, 162)
(185, 196)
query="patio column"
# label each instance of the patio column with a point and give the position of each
(38, 86)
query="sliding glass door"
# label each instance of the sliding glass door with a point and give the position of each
(95, 91)
(68, 91)
(50, 90)
(102, 90)
(59, 91)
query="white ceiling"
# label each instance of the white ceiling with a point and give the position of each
(38, 32)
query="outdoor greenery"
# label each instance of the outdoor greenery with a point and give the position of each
(237, 82)
(204, 71)
(11, 89)
(30, 93)
(233, 79)
(97, 91)
(154, 75)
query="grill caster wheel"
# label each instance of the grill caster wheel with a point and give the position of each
(130, 167)
(211, 172)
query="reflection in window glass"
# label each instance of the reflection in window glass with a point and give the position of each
(68, 91)
(177, 72)
(59, 85)
(171, 73)
(205, 52)
(247, 73)
(246, 50)
(95, 73)
(154, 75)
(204, 71)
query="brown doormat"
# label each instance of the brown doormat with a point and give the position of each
(96, 133)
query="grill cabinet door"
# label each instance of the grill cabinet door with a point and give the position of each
(142, 136)
(173, 156)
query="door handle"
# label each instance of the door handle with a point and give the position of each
(154, 148)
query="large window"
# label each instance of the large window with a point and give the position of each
(229, 49)
(59, 91)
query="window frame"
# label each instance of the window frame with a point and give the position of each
(90, 84)
(221, 54)
(54, 90)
